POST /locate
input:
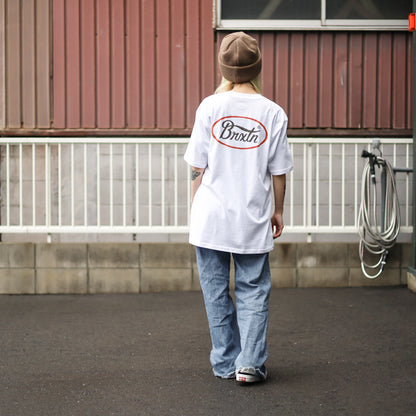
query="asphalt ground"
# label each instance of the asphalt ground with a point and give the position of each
(332, 352)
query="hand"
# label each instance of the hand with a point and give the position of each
(277, 225)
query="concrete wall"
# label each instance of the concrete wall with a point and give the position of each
(81, 268)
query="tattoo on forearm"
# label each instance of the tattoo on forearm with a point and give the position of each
(195, 174)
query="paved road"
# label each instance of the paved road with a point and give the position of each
(332, 352)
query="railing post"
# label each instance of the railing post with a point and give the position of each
(309, 190)
(47, 190)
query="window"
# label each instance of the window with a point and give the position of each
(313, 14)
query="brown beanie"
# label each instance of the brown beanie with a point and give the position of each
(239, 57)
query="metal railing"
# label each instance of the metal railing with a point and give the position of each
(327, 181)
(142, 185)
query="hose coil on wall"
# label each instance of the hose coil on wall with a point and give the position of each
(378, 232)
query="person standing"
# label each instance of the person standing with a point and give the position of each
(238, 151)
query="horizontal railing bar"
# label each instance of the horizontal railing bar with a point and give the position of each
(107, 229)
(332, 229)
(93, 140)
(348, 141)
(184, 140)
(102, 229)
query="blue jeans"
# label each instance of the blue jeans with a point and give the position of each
(238, 333)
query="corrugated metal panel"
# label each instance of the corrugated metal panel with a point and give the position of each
(163, 90)
(268, 48)
(295, 81)
(193, 61)
(311, 84)
(133, 63)
(409, 82)
(142, 67)
(24, 64)
(178, 64)
(325, 80)
(355, 86)
(206, 52)
(148, 64)
(13, 65)
(369, 81)
(28, 63)
(399, 82)
(340, 87)
(43, 60)
(384, 81)
(103, 56)
(118, 85)
(87, 27)
(59, 61)
(73, 74)
(281, 93)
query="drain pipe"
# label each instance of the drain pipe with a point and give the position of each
(411, 274)
(414, 138)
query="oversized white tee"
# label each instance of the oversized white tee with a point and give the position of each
(240, 140)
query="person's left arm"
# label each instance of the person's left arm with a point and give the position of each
(279, 189)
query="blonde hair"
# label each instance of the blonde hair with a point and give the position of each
(226, 85)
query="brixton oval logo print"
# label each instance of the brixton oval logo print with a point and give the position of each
(239, 132)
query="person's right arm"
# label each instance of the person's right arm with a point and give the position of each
(196, 179)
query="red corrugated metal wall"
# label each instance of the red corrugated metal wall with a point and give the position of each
(142, 67)
(125, 64)
(340, 80)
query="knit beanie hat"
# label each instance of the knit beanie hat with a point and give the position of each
(239, 57)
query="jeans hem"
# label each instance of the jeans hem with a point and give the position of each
(226, 376)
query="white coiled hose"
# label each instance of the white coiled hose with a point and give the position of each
(373, 238)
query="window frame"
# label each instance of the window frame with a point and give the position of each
(304, 24)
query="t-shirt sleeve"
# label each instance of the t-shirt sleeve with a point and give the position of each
(280, 156)
(196, 154)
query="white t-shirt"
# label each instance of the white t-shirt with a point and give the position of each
(240, 140)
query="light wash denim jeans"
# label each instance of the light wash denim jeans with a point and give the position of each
(238, 334)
